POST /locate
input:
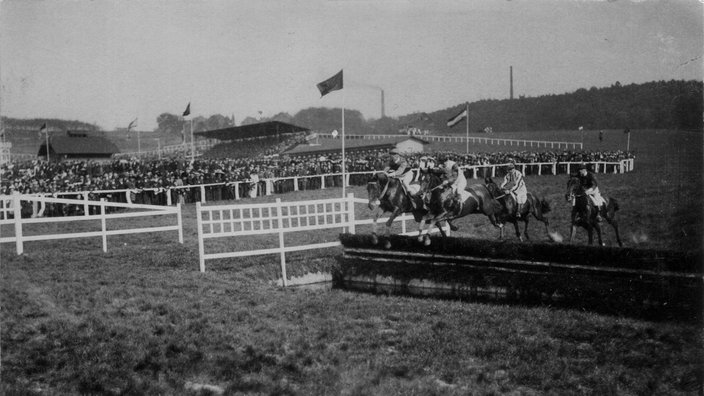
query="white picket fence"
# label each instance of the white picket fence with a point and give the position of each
(232, 221)
(11, 215)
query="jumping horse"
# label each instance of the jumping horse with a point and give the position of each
(584, 213)
(387, 194)
(446, 205)
(533, 206)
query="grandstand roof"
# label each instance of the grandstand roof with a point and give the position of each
(329, 145)
(80, 145)
(269, 128)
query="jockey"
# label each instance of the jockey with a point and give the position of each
(398, 167)
(454, 176)
(515, 185)
(588, 181)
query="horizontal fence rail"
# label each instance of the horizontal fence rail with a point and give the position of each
(11, 215)
(472, 139)
(204, 193)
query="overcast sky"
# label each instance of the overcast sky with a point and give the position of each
(107, 62)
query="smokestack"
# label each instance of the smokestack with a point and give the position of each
(383, 112)
(511, 77)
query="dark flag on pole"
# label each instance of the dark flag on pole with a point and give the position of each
(130, 126)
(627, 130)
(188, 110)
(333, 83)
(42, 129)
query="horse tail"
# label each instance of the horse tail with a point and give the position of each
(614, 203)
(545, 206)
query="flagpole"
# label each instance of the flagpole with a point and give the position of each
(193, 145)
(139, 145)
(343, 143)
(628, 142)
(47, 143)
(467, 110)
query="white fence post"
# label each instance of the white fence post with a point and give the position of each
(350, 213)
(17, 208)
(86, 207)
(322, 182)
(169, 202)
(103, 225)
(180, 223)
(280, 220)
(201, 249)
(202, 194)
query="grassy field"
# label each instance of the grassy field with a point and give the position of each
(141, 319)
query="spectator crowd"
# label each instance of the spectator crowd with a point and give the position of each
(134, 174)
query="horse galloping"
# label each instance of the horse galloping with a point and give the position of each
(387, 194)
(533, 206)
(584, 213)
(445, 205)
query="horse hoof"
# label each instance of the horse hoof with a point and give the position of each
(426, 242)
(387, 245)
(420, 239)
(375, 240)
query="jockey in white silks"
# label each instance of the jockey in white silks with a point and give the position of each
(515, 185)
(454, 176)
(398, 167)
(588, 181)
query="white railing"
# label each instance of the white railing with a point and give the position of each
(472, 139)
(11, 215)
(172, 195)
(234, 221)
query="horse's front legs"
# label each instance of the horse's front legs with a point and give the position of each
(377, 214)
(525, 228)
(598, 234)
(614, 224)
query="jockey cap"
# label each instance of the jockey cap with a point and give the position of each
(511, 164)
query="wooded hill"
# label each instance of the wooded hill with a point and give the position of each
(653, 105)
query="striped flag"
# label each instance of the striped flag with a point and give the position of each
(331, 84)
(456, 119)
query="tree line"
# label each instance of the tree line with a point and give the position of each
(674, 104)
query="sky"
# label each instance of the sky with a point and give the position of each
(108, 62)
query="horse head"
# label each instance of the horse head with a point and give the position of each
(574, 188)
(491, 187)
(374, 189)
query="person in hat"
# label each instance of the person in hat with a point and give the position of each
(399, 167)
(453, 175)
(515, 184)
(588, 181)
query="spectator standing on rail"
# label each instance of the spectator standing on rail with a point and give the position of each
(515, 184)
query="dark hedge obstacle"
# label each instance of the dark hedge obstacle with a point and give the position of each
(644, 283)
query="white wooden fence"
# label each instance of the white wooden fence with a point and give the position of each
(233, 221)
(11, 215)
(472, 139)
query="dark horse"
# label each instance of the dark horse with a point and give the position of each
(387, 194)
(445, 205)
(584, 212)
(533, 206)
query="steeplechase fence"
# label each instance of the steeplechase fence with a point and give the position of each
(280, 218)
(95, 213)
